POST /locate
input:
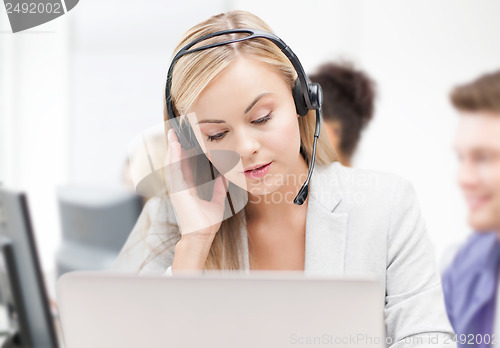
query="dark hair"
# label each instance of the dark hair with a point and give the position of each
(482, 94)
(348, 97)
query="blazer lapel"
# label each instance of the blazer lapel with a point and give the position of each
(326, 224)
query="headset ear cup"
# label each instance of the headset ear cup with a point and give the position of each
(315, 95)
(298, 98)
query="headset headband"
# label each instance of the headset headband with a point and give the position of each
(254, 33)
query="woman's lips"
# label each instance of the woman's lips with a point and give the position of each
(258, 172)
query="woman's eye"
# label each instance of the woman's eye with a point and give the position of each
(216, 137)
(221, 135)
(263, 119)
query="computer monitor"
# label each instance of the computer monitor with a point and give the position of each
(11, 299)
(23, 290)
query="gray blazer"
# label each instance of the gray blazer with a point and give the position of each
(359, 224)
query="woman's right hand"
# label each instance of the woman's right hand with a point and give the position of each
(199, 220)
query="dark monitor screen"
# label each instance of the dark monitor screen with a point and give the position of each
(18, 335)
(24, 294)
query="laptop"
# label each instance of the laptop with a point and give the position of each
(223, 310)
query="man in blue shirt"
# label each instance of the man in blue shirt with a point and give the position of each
(471, 281)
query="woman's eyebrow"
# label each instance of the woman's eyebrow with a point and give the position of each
(211, 121)
(252, 104)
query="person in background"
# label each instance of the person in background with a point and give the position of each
(470, 283)
(138, 163)
(348, 105)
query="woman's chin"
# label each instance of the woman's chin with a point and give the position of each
(262, 188)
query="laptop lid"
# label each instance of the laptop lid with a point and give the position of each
(263, 309)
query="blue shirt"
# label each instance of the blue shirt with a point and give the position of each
(470, 287)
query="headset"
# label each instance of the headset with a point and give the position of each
(307, 96)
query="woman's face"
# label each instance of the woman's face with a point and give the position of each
(249, 109)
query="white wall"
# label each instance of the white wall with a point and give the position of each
(120, 56)
(34, 119)
(418, 51)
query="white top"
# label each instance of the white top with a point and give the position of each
(359, 224)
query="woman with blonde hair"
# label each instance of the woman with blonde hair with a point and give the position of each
(243, 96)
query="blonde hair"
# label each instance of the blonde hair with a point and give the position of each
(194, 72)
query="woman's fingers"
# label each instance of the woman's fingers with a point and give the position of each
(173, 161)
(187, 173)
(219, 190)
(193, 213)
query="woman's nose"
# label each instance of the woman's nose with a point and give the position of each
(247, 144)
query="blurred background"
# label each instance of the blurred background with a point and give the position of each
(74, 92)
